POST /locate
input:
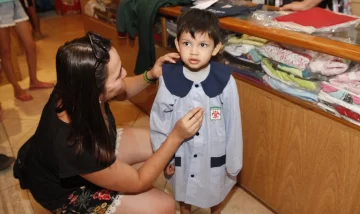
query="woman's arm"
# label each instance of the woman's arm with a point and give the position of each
(124, 178)
(135, 84)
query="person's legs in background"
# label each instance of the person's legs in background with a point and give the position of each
(6, 65)
(23, 30)
(30, 8)
(13, 14)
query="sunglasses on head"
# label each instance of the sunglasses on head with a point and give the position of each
(100, 46)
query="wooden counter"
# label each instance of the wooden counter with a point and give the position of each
(297, 159)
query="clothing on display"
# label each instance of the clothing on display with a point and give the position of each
(246, 40)
(280, 86)
(348, 113)
(349, 81)
(225, 10)
(291, 80)
(334, 95)
(329, 65)
(353, 87)
(279, 54)
(238, 49)
(352, 76)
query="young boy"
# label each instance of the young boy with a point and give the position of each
(205, 166)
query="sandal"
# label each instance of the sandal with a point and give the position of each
(43, 85)
(24, 97)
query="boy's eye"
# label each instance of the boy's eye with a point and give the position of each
(186, 43)
(203, 45)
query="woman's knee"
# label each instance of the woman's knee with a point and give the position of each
(153, 201)
(166, 205)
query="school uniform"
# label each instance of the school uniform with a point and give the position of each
(206, 165)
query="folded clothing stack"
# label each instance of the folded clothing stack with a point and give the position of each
(244, 49)
(344, 103)
(328, 65)
(349, 81)
(287, 78)
(296, 92)
(285, 56)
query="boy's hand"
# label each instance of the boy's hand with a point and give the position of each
(169, 170)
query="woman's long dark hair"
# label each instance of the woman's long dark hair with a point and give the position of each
(81, 78)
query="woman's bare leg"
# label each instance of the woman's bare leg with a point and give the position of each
(35, 21)
(23, 29)
(153, 201)
(135, 147)
(6, 63)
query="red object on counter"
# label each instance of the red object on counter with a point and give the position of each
(315, 17)
(64, 7)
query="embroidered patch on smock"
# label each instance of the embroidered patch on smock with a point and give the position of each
(215, 113)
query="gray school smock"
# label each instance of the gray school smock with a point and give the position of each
(206, 165)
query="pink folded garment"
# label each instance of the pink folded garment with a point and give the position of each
(340, 93)
(285, 56)
(329, 65)
(351, 87)
(353, 76)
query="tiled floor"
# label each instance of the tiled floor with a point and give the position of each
(21, 120)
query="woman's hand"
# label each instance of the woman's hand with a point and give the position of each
(156, 71)
(189, 124)
(296, 6)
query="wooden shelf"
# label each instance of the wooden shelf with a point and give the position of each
(315, 43)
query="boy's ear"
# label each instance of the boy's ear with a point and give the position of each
(217, 49)
(177, 45)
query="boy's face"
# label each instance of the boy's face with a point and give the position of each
(196, 52)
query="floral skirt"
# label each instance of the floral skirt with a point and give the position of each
(92, 200)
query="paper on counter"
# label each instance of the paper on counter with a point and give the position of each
(203, 5)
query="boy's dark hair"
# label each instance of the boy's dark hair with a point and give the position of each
(196, 20)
